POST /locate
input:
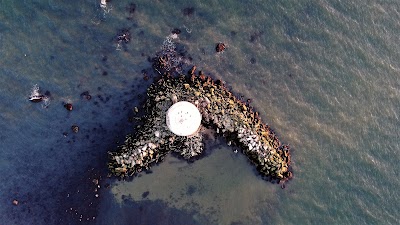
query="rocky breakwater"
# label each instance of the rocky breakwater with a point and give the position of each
(219, 109)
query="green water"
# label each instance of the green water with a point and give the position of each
(322, 74)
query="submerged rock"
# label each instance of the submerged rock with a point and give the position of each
(219, 109)
(75, 128)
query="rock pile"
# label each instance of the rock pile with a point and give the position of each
(219, 109)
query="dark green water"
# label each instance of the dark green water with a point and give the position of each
(323, 74)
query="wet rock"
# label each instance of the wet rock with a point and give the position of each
(68, 106)
(75, 128)
(220, 47)
(176, 31)
(95, 181)
(124, 35)
(86, 95)
(146, 76)
(192, 70)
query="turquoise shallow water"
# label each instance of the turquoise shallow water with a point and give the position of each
(323, 74)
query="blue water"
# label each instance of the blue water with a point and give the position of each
(323, 74)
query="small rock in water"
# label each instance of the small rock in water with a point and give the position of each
(15, 202)
(176, 31)
(68, 106)
(124, 36)
(95, 181)
(75, 128)
(145, 194)
(188, 11)
(86, 95)
(220, 47)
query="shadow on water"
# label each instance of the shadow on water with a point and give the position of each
(150, 212)
(54, 176)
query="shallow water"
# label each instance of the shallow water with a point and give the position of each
(322, 74)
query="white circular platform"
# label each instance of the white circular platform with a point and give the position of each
(183, 118)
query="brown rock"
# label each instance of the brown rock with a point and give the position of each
(95, 181)
(191, 71)
(220, 47)
(68, 106)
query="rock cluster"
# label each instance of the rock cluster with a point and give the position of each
(220, 110)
